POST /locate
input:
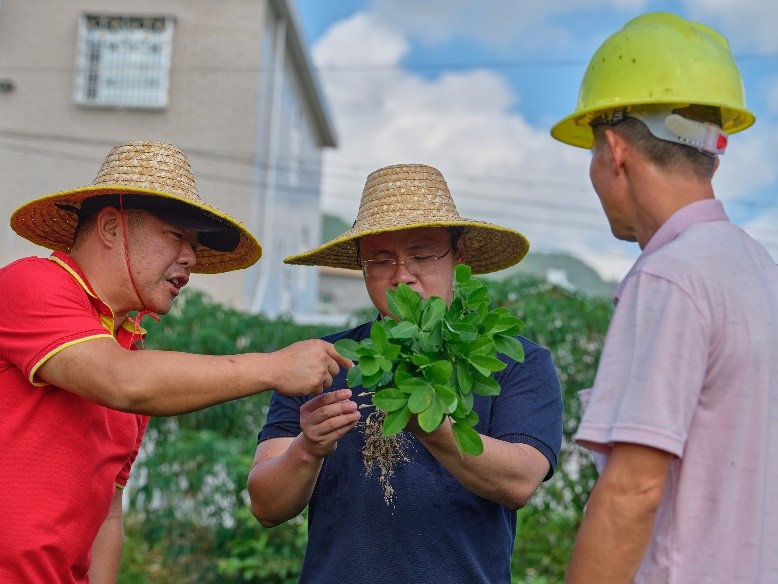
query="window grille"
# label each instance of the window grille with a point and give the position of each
(123, 61)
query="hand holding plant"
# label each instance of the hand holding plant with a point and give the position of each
(435, 358)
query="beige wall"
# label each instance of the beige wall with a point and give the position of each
(47, 143)
(342, 291)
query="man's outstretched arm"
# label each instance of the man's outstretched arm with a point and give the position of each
(164, 383)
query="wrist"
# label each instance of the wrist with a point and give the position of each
(306, 451)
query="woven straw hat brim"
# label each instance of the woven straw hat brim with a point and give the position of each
(409, 196)
(490, 248)
(43, 223)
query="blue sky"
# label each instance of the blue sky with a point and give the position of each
(474, 87)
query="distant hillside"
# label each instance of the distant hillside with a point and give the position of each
(566, 271)
(559, 268)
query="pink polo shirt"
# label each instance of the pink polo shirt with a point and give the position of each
(690, 366)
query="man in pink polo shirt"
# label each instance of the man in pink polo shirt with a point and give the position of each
(683, 415)
(75, 395)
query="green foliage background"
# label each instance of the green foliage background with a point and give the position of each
(187, 516)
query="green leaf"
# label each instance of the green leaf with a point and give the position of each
(378, 335)
(464, 378)
(395, 421)
(507, 325)
(391, 302)
(482, 346)
(366, 349)
(472, 318)
(486, 385)
(408, 303)
(347, 348)
(468, 440)
(430, 341)
(462, 272)
(489, 322)
(405, 330)
(369, 365)
(410, 385)
(421, 398)
(463, 331)
(455, 309)
(464, 408)
(439, 372)
(354, 376)
(420, 360)
(402, 373)
(487, 362)
(433, 313)
(478, 297)
(448, 399)
(386, 377)
(510, 346)
(391, 352)
(431, 418)
(466, 288)
(372, 381)
(390, 400)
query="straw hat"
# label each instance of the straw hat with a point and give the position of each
(153, 176)
(406, 196)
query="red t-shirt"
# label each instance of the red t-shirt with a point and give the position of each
(61, 456)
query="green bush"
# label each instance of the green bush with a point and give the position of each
(188, 518)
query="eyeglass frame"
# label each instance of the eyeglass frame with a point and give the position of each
(434, 257)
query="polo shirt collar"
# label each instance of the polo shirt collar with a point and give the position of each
(685, 217)
(106, 313)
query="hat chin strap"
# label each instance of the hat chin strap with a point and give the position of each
(145, 311)
(705, 137)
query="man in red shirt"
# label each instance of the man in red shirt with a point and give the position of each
(75, 395)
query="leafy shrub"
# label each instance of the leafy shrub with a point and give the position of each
(188, 517)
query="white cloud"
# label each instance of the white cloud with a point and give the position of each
(748, 165)
(747, 24)
(500, 167)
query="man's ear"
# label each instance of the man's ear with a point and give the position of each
(108, 226)
(617, 150)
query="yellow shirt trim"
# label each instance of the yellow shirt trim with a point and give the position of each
(57, 350)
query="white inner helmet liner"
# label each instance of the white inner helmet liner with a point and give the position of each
(665, 125)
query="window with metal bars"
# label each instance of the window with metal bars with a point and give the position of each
(123, 61)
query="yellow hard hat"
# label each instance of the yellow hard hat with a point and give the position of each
(658, 58)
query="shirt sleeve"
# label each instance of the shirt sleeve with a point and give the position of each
(651, 369)
(47, 311)
(528, 409)
(283, 417)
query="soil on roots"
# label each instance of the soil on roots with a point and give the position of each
(382, 452)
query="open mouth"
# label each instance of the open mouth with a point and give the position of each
(178, 282)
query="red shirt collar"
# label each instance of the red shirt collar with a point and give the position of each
(105, 311)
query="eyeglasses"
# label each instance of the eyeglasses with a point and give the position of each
(418, 265)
